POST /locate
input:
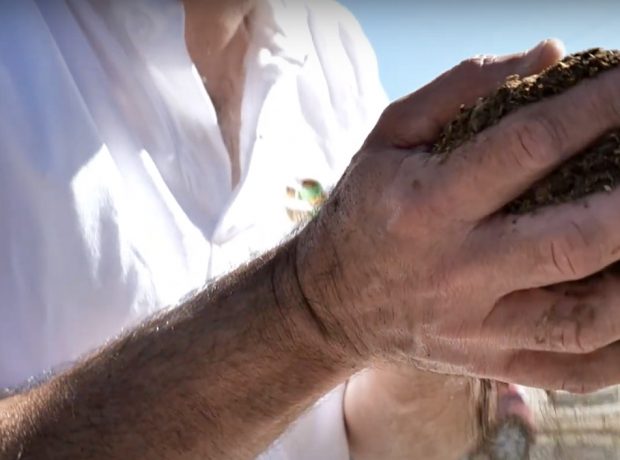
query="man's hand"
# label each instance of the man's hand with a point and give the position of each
(400, 412)
(410, 260)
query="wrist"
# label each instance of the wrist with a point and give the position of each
(302, 305)
(321, 276)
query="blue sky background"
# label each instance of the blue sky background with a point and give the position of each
(417, 40)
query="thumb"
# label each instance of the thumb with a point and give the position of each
(418, 118)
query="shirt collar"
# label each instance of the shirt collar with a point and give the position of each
(282, 28)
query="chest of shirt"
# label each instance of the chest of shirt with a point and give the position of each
(120, 202)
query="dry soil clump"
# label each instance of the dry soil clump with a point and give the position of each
(596, 169)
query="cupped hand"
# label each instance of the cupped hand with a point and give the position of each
(399, 412)
(410, 259)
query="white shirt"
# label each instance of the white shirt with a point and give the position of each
(115, 184)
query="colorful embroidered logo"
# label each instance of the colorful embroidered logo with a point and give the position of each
(303, 199)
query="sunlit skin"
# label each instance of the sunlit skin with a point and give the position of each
(217, 35)
(420, 413)
(407, 265)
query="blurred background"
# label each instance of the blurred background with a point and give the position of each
(417, 40)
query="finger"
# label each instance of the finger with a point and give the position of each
(561, 243)
(483, 175)
(575, 373)
(577, 318)
(418, 118)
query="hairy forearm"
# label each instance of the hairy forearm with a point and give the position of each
(221, 376)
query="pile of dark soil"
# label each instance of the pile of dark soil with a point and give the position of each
(596, 169)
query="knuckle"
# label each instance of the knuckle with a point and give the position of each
(478, 70)
(573, 379)
(471, 65)
(537, 142)
(573, 324)
(393, 109)
(570, 337)
(574, 253)
(585, 342)
(559, 333)
(562, 258)
(385, 120)
(568, 384)
(391, 117)
(579, 383)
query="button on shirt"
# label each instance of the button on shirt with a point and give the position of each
(115, 184)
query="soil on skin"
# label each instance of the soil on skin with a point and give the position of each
(596, 169)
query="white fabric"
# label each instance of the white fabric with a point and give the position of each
(115, 190)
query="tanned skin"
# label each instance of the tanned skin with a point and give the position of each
(400, 412)
(408, 263)
(219, 378)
